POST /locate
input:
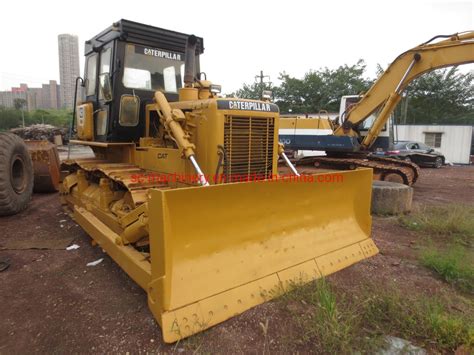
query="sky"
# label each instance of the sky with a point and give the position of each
(240, 37)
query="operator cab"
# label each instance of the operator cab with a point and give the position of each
(125, 64)
(385, 138)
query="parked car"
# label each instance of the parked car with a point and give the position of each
(418, 153)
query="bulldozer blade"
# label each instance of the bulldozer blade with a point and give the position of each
(217, 251)
(46, 166)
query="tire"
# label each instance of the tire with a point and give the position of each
(393, 177)
(438, 162)
(16, 174)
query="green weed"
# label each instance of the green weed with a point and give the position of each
(332, 322)
(423, 320)
(454, 222)
(454, 265)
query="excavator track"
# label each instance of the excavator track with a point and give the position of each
(412, 170)
(385, 169)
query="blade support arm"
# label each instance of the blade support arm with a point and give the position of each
(170, 119)
(281, 151)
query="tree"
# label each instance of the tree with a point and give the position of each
(252, 91)
(290, 95)
(440, 96)
(19, 103)
(318, 90)
(345, 80)
(58, 118)
(39, 116)
(9, 118)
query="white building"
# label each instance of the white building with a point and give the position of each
(453, 141)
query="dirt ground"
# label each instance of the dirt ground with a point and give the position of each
(51, 302)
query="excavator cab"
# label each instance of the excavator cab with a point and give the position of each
(384, 140)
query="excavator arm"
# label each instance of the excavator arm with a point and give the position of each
(386, 92)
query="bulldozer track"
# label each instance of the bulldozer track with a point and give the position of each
(384, 168)
(122, 173)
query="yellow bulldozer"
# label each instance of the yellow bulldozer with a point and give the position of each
(184, 191)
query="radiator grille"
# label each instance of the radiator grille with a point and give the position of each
(248, 145)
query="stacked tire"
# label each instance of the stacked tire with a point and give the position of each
(16, 174)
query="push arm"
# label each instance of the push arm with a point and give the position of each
(170, 119)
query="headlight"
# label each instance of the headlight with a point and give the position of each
(266, 94)
(215, 89)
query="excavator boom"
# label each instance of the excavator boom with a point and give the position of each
(386, 92)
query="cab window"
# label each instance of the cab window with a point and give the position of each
(152, 69)
(104, 65)
(91, 75)
(105, 61)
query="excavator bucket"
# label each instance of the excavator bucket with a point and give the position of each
(217, 251)
(46, 165)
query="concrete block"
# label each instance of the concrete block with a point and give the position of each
(391, 198)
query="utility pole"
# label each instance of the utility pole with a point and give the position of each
(260, 79)
(22, 109)
(405, 108)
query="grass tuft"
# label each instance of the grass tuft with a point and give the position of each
(331, 326)
(449, 241)
(424, 320)
(455, 266)
(332, 323)
(453, 221)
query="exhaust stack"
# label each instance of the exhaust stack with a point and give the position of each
(189, 61)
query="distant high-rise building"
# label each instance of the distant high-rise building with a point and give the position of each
(8, 98)
(68, 67)
(45, 97)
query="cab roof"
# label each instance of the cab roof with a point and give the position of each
(139, 33)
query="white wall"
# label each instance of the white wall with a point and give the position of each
(455, 140)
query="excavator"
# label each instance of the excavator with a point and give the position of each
(183, 191)
(300, 135)
(347, 144)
